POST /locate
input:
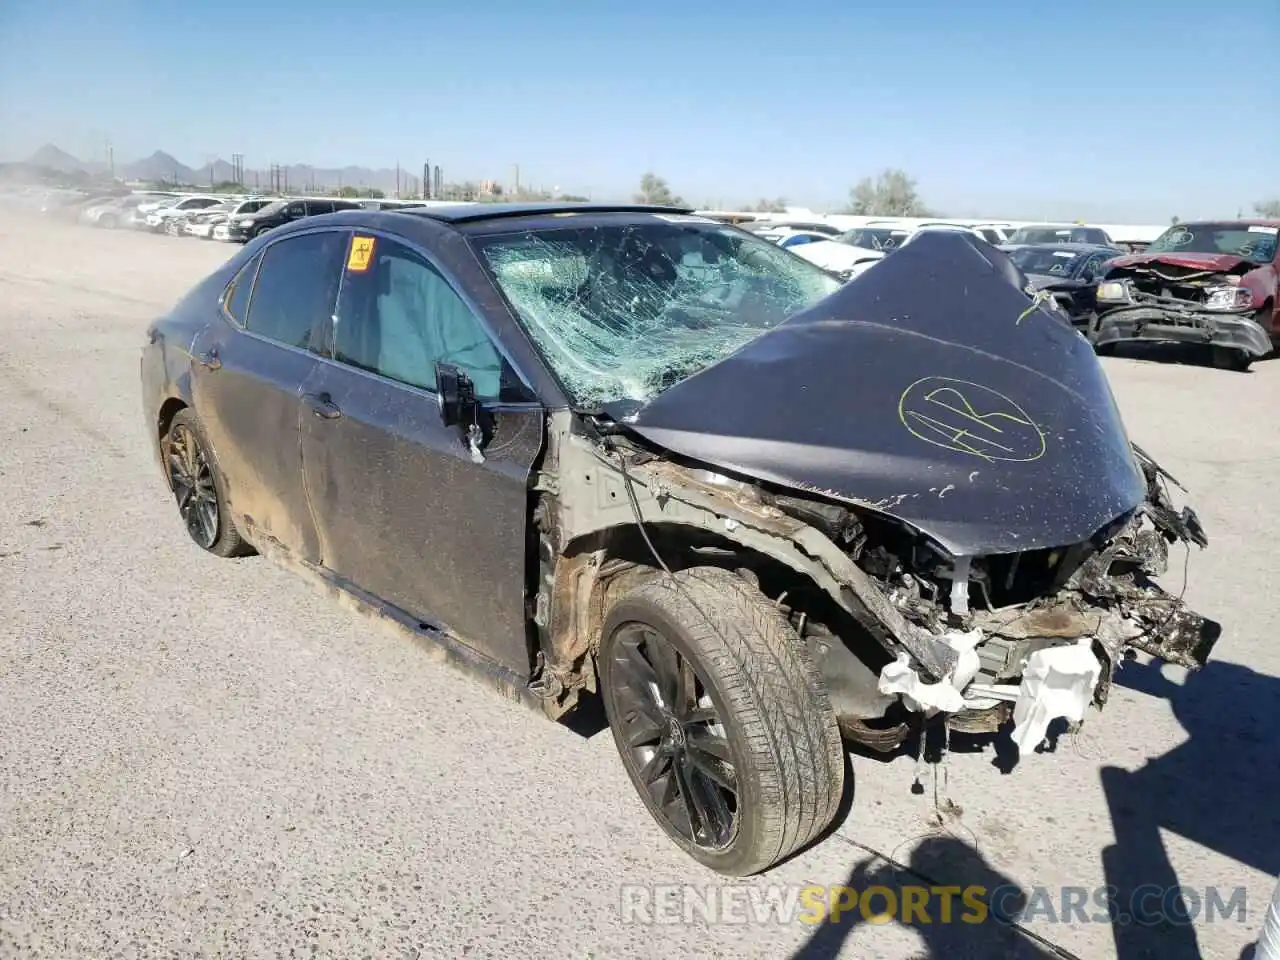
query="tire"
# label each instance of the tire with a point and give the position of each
(1092, 328)
(1229, 358)
(757, 700)
(220, 536)
(107, 221)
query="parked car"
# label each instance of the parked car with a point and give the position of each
(787, 238)
(68, 207)
(390, 204)
(158, 217)
(115, 212)
(484, 423)
(854, 251)
(1061, 233)
(1068, 271)
(1215, 283)
(210, 224)
(242, 229)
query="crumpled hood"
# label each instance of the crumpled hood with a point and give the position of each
(927, 390)
(1221, 262)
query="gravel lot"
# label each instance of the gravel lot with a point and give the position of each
(206, 758)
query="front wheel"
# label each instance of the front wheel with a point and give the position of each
(1229, 358)
(721, 719)
(199, 489)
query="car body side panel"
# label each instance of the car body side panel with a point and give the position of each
(405, 513)
(249, 407)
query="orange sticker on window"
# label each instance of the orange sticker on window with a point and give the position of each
(361, 254)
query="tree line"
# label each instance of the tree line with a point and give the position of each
(891, 193)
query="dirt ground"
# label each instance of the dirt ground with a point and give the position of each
(203, 757)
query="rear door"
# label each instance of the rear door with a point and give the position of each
(250, 368)
(404, 509)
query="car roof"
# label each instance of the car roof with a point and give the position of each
(478, 212)
(1243, 223)
(1073, 247)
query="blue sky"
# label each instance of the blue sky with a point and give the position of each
(1120, 111)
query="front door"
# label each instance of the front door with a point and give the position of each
(249, 370)
(404, 509)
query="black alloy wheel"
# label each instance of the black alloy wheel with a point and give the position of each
(191, 478)
(675, 738)
(198, 489)
(720, 717)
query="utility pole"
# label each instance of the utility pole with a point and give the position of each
(517, 172)
(426, 180)
(397, 179)
(111, 161)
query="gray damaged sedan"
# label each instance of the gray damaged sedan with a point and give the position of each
(633, 453)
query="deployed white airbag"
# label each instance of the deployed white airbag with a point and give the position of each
(945, 696)
(1057, 682)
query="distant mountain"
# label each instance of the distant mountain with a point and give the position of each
(53, 158)
(160, 166)
(298, 177)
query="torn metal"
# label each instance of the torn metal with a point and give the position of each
(944, 503)
(1186, 298)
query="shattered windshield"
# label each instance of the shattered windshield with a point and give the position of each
(1045, 260)
(1256, 243)
(872, 238)
(625, 308)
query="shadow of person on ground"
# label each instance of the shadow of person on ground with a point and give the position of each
(1219, 789)
(939, 920)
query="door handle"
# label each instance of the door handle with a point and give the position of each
(322, 406)
(209, 359)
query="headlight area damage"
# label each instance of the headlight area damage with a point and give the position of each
(1198, 299)
(925, 473)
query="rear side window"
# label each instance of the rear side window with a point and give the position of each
(315, 207)
(296, 288)
(236, 300)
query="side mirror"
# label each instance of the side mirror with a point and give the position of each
(455, 396)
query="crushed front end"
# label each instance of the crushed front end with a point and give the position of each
(1029, 637)
(1186, 304)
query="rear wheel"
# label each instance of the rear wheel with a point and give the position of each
(198, 488)
(108, 220)
(722, 722)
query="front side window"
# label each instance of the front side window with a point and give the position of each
(399, 317)
(296, 287)
(1256, 243)
(625, 308)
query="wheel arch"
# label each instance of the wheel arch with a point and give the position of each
(168, 410)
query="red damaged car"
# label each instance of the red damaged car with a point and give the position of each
(1213, 283)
